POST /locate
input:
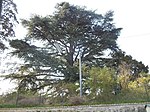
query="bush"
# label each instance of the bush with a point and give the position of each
(29, 102)
(76, 100)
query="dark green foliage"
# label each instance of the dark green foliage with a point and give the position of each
(135, 66)
(19, 44)
(7, 21)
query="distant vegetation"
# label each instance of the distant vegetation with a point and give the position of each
(102, 86)
(50, 73)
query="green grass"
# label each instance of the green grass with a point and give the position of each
(7, 106)
(19, 106)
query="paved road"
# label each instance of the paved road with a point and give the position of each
(90, 108)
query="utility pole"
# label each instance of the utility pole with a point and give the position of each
(80, 74)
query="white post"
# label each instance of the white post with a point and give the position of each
(80, 75)
(147, 107)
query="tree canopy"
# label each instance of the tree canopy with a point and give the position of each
(69, 31)
(135, 67)
(8, 19)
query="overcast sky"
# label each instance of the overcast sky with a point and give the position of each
(131, 15)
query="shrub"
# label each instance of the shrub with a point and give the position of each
(76, 100)
(29, 102)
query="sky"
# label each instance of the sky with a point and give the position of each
(131, 15)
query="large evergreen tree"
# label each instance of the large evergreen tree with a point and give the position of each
(70, 31)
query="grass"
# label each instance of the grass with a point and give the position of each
(39, 106)
(118, 100)
(7, 106)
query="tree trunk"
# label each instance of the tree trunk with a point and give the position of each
(17, 97)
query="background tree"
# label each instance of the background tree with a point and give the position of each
(25, 81)
(69, 31)
(135, 68)
(8, 19)
(127, 69)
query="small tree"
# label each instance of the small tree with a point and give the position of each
(124, 75)
(144, 81)
(101, 81)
